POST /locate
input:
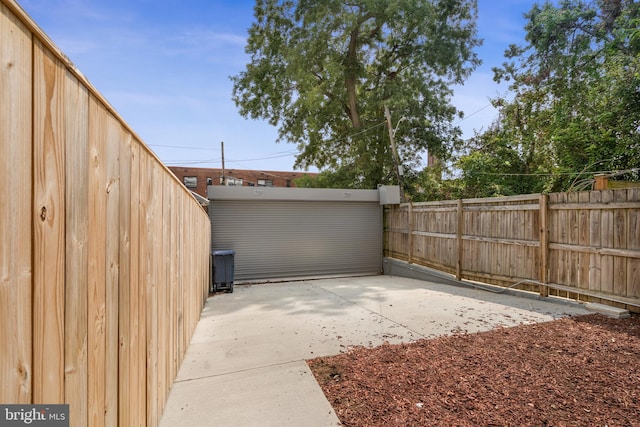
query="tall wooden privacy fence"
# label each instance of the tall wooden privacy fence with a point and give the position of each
(104, 256)
(579, 245)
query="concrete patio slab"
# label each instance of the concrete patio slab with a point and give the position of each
(245, 364)
(271, 396)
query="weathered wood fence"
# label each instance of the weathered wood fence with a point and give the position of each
(104, 255)
(578, 245)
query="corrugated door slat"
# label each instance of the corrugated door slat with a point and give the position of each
(278, 239)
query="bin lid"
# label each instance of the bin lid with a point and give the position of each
(228, 252)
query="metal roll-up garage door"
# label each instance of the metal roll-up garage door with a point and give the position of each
(283, 233)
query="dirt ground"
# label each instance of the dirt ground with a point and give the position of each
(582, 371)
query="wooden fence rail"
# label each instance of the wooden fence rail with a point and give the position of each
(104, 255)
(580, 245)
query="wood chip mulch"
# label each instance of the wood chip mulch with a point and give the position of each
(581, 371)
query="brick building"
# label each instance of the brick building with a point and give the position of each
(197, 179)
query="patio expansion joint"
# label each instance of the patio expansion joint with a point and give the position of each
(373, 312)
(238, 371)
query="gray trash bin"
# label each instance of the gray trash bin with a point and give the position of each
(223, 270)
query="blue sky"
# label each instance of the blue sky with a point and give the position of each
(164, 65)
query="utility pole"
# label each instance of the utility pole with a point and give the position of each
(222, 178)
(396, 160)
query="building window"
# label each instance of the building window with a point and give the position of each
(190, 181)
(231, 182)
(209, 181)
(288, 183)
(265, 183)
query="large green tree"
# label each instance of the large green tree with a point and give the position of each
(576, 100)
(323, 71)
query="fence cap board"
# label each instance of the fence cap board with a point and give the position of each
(484, 200)
(503, 199)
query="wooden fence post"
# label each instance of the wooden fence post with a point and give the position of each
(390, 231)
(601, 182)
(459, 229)
(544, 244)
(410, 237)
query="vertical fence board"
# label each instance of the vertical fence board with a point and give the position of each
(410, 233)
(195, 289)
(490, 259)
(181, 315)
(563, 237)
(16, 173)
(204, 271)
(504, 226)
(96, 334)
(138, 341)
(552, 259)
(152, 266)
(188, 298)
(606, 241)
(163, 291)
(514, 252)
(498, 261)
(583, 240)
(144, 280)
(177, 283)
(459, 233)
(595, 260)
(158, 298)
(189, 286)
(48, 228)
(112, 267)
(126, 300)
(553, 255)
(633, 264)
(572, 237)
(77, 275)
(470, 252)
(620, 242)
(543, 275)
(173, 274)
(169, 250)
(173, 279)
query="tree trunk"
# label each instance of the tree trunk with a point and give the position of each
(351, 79)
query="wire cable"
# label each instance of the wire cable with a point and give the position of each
(267, 157)
(472, 114)
(183, 147)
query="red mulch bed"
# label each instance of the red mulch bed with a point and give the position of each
(582, 371)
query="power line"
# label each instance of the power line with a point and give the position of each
(472, 114)
(190, 162)
(361, 132)
(274, 156)
(182, 147)
(268, 173)
(266, 157)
